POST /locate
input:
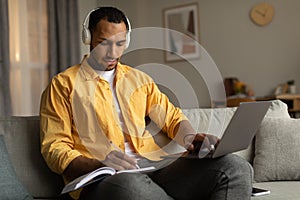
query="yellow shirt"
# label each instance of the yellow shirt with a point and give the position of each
(78, 115)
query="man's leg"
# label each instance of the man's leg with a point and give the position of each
(125, 186)
(228, 177)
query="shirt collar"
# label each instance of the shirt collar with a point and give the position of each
(88, 72)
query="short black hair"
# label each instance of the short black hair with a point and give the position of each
(111, 14)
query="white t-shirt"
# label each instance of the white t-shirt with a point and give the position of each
(109, 76)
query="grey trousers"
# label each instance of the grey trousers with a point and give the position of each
(228, 177)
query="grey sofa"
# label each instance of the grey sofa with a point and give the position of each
(32, 177)
(25, 175)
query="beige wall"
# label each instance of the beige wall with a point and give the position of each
(84, 7)
(261, 56)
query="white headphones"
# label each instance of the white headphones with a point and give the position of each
(86, 33)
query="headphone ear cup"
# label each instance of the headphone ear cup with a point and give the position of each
(128, 33)
(86, 36)
(127, 39)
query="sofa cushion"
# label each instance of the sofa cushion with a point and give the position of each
(277, 148)
(11, 187)
(278, 109)
(208, 120)
(22, 139)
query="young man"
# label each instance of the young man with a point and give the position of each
(93, 115)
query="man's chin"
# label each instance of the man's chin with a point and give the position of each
(110, 65)
(104, 67)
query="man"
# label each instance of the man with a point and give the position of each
(93, 115)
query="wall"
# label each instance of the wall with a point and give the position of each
(260, 56)
(84, 7)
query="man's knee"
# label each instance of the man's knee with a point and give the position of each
(238, 170)
(237, 165)
(236, 182)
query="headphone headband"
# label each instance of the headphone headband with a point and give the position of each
(86, 33)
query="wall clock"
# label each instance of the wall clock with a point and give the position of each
(262, 13)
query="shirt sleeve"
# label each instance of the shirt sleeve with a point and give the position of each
(57, 143)
(162, 111)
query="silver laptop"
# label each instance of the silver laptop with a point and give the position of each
(239, 132)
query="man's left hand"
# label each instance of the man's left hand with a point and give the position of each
(199, 141)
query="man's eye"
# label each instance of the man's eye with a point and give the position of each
(122, 43)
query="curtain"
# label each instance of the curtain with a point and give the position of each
(5, 103)
(64, 38)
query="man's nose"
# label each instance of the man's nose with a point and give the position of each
(113, 51)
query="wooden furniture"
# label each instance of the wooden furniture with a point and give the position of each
(292, 101)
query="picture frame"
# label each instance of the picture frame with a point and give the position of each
(181, 37)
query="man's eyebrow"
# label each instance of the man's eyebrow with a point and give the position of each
(107, 39)
(102, 38)
(122, 40)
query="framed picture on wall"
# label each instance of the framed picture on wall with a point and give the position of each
(182, 32)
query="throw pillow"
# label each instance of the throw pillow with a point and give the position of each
(10, 186)
(277, 150)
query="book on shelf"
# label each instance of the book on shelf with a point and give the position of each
(98, 175)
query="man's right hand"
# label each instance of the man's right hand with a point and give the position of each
(82, 165)
(119, 161)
